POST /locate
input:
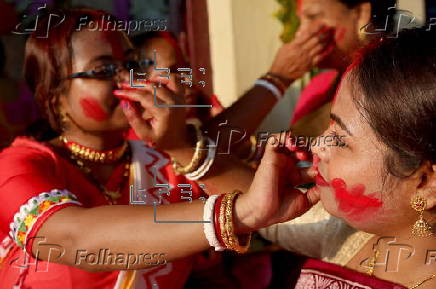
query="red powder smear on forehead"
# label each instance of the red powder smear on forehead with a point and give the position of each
(92, 109)
(352, 201)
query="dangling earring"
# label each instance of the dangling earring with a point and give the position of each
(62, 120)
(421, 228)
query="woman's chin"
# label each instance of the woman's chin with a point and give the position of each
(329, 204)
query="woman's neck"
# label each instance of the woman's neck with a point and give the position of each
(98, 141)
(405, 259)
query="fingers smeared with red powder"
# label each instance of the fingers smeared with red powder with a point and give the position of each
(92, 109)
(352, 201)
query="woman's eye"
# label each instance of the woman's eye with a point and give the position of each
(312, 16)
(106, 70)
(337, 139)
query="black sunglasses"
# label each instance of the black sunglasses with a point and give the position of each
(110, 70)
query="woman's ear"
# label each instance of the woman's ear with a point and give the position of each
(363, 16)
(428, 186)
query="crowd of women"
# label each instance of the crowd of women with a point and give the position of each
(67, 220)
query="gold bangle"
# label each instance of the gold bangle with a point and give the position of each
(197, 159)
(231, 240)
(222, 220)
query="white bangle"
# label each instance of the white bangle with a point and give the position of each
(209, 226)
(271, 87)
(207, 163)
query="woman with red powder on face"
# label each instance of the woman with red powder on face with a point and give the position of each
(381, 181)
(68, 188)
(350, 21)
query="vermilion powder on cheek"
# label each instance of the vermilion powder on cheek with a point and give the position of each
(352, 201)
(92, 109)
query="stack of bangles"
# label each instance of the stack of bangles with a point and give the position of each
(204, 156)
(276, 84)
(219, 225)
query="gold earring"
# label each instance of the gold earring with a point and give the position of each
(421, 228)
(63, 119)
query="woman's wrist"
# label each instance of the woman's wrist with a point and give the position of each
(244, 220)
(286, 81)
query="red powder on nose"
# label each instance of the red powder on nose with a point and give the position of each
(92, 109)
(352, 201)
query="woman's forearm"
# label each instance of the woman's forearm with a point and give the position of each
(246, 114)
(130, 231)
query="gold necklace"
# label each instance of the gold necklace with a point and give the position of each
(422, 282)
(86, 153)
(373, 261)
(111, 196)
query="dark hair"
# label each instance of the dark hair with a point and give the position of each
(379, 11)
(397, 79)
(48, 61)
(145, 37)
(2, 57)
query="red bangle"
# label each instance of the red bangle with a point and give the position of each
(217, 219)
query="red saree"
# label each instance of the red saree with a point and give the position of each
(316, 274)
(35, 183)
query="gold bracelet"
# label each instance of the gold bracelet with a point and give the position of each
(230, 239)
(198, 157)
(222, 220)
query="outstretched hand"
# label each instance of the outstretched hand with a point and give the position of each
(272, 197)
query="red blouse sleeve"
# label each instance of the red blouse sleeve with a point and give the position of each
(31, 190)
